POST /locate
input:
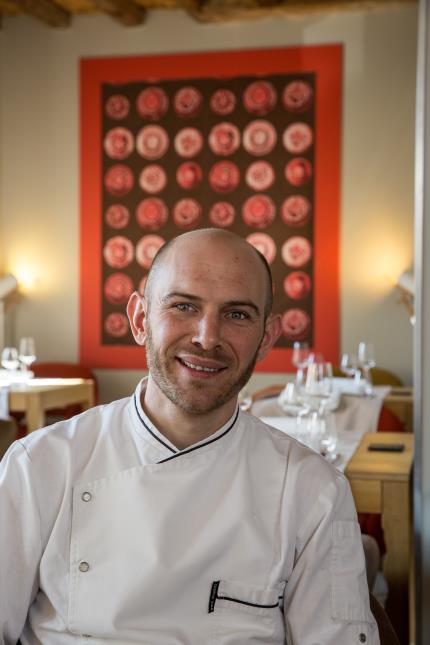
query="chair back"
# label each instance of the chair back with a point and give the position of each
(387, 635)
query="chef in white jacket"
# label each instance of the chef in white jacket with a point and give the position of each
(170, 517)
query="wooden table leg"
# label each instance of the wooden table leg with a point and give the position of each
(35, 414)
(395, 511)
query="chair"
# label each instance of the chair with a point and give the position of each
(387, 635)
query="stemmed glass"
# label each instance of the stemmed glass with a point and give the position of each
(349, 364)
(300, 358)
(9, 358)
(27, 351)
(366, 360)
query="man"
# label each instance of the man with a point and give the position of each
(171, 518)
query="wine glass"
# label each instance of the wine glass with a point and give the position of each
(27, 351)
(300, 357)
(245, 399)
(349, 364)
(366, 360)
(9, 358)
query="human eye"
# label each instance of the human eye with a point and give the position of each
(183, 307)
(238, 315)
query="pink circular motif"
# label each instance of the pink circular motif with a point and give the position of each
(142, 283)
(117, 216)
(224, 139)
(117, 107)
(224, 176)
(119, 180)
(223, 102)
(297, 138)
(152, 142)
(296, 210)
(222, 214)
(118, 143)
(295, 324)
(189, 175)
(147, 248)
(298, 171)
(297, 285)
(116, 325)
(153, 179)
(152, 103)
(263, 243)
(118, 288)
(296, 251)
(187, 213)
(258, 211)
(260, 97)
(297, 96)
(260, 175)
(118, 252)
(187, 101)
(259, 138)
(188, 142)
(152, 213)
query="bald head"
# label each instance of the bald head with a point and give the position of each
(187, 242)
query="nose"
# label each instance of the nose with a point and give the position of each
(208, 333)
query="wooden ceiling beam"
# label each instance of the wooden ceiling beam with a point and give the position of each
(45, 11)
(124, 11)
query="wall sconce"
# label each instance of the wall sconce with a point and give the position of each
(406, 287)
(8, 284)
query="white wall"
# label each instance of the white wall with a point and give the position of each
(39, 163)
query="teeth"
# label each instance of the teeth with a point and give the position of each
(199, 368)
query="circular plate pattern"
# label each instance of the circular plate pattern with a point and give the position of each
(152, 213)
(298, 138)
(152, 103)
(223, 102)
(297, 96)
(118, 143)
(297, 285)
(117, 107)
(296, 210)
(119, 180)
(296, 324)
(260, 175)
(259, 138)
(224, 176)
(147, 248)
(259, 211)
(263, 243)
(117, 216)
(187, 101)
(116, 325)
(296, 251)
(188, 142)
(152, 142)
(222, 214)
(153, 179)
(118, 288)
(224, 139)
(118, 252)
(298, 171)
(260, 98)
(187, 214)
(189, 175)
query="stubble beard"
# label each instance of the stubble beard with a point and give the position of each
(197, 401)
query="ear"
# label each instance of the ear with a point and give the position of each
(272, 332)
(136, 312)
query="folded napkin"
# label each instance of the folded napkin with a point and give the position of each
(349, 386)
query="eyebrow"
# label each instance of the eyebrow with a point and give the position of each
(194, 298)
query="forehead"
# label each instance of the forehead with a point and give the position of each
(213, 268)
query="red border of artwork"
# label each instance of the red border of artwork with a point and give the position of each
(326, 62)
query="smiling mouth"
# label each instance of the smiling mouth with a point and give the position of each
(201, 368)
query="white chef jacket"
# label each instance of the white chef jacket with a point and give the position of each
(111, 535)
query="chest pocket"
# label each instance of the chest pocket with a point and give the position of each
(243, 613)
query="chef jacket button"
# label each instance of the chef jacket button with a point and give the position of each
(84, 567)
(362, 638)
(86, 496)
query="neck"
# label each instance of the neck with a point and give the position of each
(181, 428)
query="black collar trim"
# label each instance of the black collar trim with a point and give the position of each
(145, 425)
(202, 445)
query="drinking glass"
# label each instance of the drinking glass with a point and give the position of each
(366, 360)
(27, 351)
(244, 399)
(300, 357)
(328, 434)
(9, 358)
(349, 364)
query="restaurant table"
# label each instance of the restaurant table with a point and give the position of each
(381, 483)
(38, 395)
